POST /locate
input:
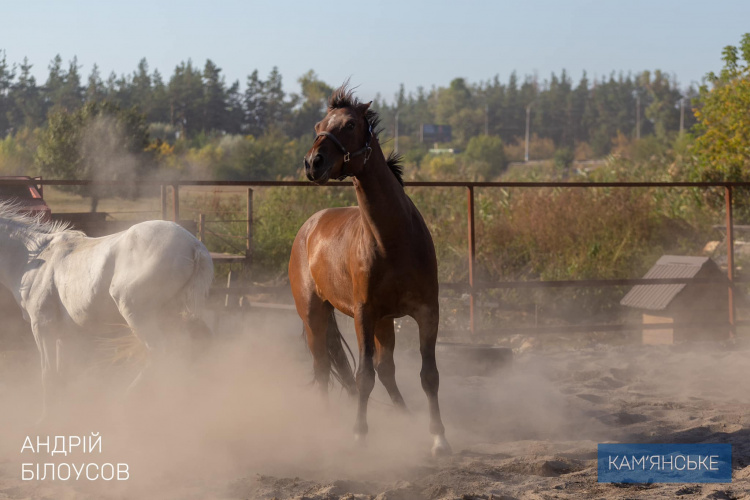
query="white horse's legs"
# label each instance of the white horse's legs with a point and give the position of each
(148, 330)
(50, 354)
(49, 392)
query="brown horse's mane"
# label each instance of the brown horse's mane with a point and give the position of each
(343, 97)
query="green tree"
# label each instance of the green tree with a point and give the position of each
(723, 143)
(186, 97)
(7, 74)
(119, 90)
(235, 112)
(71, 92)
(553, 110)
(276, 105)
(95, 90)
(664, 97)
(456, 107)
(63, 89)
(214, 98)
(314, 99)
(26, 101)
(580, 109)
(141, 88)
(255, 105)
(55, 82)
(722, 148)
(159, 110)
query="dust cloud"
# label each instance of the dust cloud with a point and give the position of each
(105, 156)
(244, 406)
(242, 419)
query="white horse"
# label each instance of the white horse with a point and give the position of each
(70, 286)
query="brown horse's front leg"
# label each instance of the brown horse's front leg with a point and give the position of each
(364, 324)
(428, 320)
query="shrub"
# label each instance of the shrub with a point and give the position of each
(487, 154)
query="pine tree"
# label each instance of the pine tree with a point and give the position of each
(214, 98)
(185, 92)
(142, 91)
(95, 90)
(71, 92)
(255, 105)
(235, 115)
(27, 101)
(276, 108)
(54, 84)
(7, 74)
(159, 111)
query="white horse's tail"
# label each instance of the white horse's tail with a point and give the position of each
(196, 289)
(194, 297)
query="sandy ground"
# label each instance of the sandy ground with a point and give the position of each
(243, 422)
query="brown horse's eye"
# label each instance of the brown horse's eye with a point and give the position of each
(350, 126)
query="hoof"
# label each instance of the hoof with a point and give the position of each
(440, 447)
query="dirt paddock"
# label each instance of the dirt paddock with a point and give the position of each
(243, 422)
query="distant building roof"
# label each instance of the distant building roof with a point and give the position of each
(658, 297)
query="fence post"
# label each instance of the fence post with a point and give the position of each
(470, 203)
(730, 258)
(176, 202)
(229, 285)
(202, 227)
(163, 202)
(249, 245)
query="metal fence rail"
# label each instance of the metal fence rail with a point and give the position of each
(472, 287)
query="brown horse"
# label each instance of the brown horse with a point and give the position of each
(374, 262)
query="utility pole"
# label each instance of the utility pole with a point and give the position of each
(528, 123)
(682, 115)
(396, 134)
(637, 116)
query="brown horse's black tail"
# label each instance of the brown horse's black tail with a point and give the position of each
(341, 368)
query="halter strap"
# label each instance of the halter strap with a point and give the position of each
(366, 150)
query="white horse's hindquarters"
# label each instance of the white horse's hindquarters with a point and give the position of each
(145, 269)
(155, 261)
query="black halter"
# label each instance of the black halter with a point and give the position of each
(366, 150)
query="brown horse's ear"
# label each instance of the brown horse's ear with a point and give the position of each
(364, 107)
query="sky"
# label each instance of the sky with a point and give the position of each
(379, 44)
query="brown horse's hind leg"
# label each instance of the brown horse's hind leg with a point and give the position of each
(428, 328)
(365, 327)
(316, 325)
(385, 342)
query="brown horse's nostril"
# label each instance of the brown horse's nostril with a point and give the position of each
(317, 161)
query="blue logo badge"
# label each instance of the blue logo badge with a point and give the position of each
(665, 463)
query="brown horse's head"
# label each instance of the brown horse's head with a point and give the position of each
(343, 137)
